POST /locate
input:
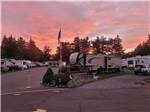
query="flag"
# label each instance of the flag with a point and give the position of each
(59, 36)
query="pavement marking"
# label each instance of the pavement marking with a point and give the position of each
(28, 87)
(57, 91)
(16, 94)
(40, 110)
(33, 91)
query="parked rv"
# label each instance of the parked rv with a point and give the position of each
(109, 63)
(140, 64)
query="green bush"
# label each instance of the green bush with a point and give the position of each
(64, 70)
(62, 79)
(49, 75)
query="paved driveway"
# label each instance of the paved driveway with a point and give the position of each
(125, 81)
(20, 80)
(117, 94)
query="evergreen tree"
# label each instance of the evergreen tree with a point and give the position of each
(117, 46)
(76, 43)
(21, 48)
(46, 53)
(143, 49)
(4, 47)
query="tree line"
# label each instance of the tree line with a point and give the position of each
(101, 45)
(142, 49)
(20, 49)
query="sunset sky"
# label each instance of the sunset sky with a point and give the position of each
(42, 21)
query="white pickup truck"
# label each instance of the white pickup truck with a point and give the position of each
(142, 69)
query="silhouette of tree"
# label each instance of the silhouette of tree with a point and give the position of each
(46, 53)
(66, 51)
(143, 48)
(117, 46)
(4, 47)
(76, 43)
(21, 48)
(9, 47)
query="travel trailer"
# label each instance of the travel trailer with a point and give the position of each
(91, 62)
(140, 64)
(133, 61)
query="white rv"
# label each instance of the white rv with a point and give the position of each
(94, 62)
(137, 60)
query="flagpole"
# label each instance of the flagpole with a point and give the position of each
(60, 47)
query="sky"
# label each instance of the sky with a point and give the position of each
(42, 21)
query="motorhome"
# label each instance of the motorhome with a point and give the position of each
(94, 62)
(131, 62)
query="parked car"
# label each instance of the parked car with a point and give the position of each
(30, 64)
(8, 65)
(4, 67)
(38, 64)
(142, 69)
(45, 63)
(21, 64)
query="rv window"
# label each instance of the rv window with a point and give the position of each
(2, 63)
(109, 65)
(130, 62)
(109, 58)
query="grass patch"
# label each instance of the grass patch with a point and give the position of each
(127, 72)
(81, 79)
(109, 75)
(85, 79)
(105, 76)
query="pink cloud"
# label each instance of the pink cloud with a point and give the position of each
(42, 20)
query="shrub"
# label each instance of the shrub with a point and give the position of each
(49, 75)
(64, 70)
(63, 77)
